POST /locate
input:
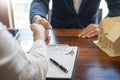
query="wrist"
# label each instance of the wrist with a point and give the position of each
(36, 19)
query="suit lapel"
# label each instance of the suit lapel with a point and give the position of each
(82, 5)
(69, 4)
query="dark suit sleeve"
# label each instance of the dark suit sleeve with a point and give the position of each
(114, 8)
(39, 7)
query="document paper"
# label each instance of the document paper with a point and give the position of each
(60, 53)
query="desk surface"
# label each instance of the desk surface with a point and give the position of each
(92, 63)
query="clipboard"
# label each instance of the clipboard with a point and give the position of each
(60, 53)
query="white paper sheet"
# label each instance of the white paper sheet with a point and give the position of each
(58, 53)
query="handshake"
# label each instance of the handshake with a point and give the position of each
(40, 28)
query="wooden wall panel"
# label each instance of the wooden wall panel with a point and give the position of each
(6, 14)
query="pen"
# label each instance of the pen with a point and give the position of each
(60, 66)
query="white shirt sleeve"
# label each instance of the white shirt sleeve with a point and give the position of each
(17, 65)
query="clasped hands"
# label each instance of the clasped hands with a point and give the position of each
(41, 26)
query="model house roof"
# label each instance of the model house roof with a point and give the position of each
(109, 33)
(108, 23)
(114, 34)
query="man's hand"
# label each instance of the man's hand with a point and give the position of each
(39, 20)
(89, 31)
(40, 32)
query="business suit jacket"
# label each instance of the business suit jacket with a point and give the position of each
(64, 15)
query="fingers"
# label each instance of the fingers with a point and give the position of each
(91, 34)
(85, 31)
(45, 23)
(33, 27)
(39, 20)
(48, 39)
(36, 19)
(89, 31)
(39, 32)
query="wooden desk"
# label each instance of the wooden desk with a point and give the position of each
(92, 63)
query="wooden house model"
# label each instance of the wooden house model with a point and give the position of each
(109, 36)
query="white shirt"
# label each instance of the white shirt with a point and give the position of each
(17, 65)
(77, 4)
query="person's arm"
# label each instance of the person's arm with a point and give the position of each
(40, 8)
(91, 29)
(38, 11)
(17, 65)
(113, 8)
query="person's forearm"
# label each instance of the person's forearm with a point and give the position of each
(8, 46)
(113, 8)
(39, 7)
(13, 59)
